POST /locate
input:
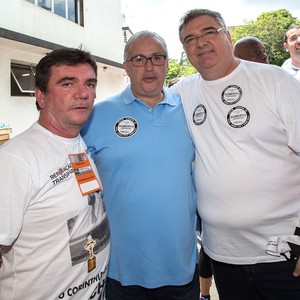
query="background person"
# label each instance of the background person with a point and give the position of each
(140, 142)
(205, 269)
(46, 221)
(244, 120)
(292, 45)
(252, 49)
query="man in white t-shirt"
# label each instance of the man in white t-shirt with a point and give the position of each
(54, 232)
(292, 45)
(244, 120)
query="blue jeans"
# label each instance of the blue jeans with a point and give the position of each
(190, 291)
(263, 281)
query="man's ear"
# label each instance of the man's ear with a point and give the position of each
(228, 36)
(125, 66)
(40, 98)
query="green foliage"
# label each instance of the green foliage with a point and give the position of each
(179, 68)
(270, 28)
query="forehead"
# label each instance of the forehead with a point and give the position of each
(73, 69)
(79, 71)
(146, 46)
(201, 23)
(293, 31)
(255, 45)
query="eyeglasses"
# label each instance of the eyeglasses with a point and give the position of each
(208, 35)
(141, 60)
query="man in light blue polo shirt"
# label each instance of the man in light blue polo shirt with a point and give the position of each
(141, 145)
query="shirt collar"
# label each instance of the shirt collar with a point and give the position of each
(128, 97)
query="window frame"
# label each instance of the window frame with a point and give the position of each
(50, 6)
(29, 72)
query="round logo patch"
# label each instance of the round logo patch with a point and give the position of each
(232, 94)
(199, 115)
(126, 127)
(238, 117)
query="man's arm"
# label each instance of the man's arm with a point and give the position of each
(297, 269)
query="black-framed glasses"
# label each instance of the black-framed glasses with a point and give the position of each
(141, 60)
(208, 35)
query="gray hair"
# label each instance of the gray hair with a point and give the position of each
(194, 13)
(143, 35)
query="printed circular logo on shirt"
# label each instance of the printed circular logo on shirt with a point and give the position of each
(231, 94)
(238, 117)
(199, 115)
(126, 127)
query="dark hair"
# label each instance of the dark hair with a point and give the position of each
(292, 27)
(143, 35)
(194, 13)
(64, 56)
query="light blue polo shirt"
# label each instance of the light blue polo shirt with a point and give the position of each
(144, 156)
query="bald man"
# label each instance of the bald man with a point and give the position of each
(251, 48)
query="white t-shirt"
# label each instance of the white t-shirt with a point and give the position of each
(246, 130)
(293, 70)
(58, 240)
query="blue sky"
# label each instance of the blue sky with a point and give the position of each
(162, 16)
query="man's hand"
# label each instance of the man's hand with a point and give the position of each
(297, 269)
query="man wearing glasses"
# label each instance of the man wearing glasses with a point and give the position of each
(141, 145)
(244, 120)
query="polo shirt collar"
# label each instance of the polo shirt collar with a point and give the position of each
(128, 97)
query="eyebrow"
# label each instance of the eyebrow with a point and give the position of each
(65, 79)
(152, 54)
(204, 29)
(73, 79)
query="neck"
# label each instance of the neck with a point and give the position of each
(152, 101)
(53, 127)
(296, 62)
(217, 73)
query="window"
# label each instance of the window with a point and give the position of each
(22, 79)
(69, 9)
(45, 4)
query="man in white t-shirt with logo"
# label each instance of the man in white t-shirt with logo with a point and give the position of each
(244, 120)
(54, 232)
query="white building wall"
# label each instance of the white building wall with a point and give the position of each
(18, 112)
(101, 35)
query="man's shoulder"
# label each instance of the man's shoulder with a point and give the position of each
(30, 143)
(171, 94)
(110, 101)
(21, 140)
(270, 72)
(190, 78)
(185, 84)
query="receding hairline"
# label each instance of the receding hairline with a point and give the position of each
(194, 13)
(296, 27)
(144, 34)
